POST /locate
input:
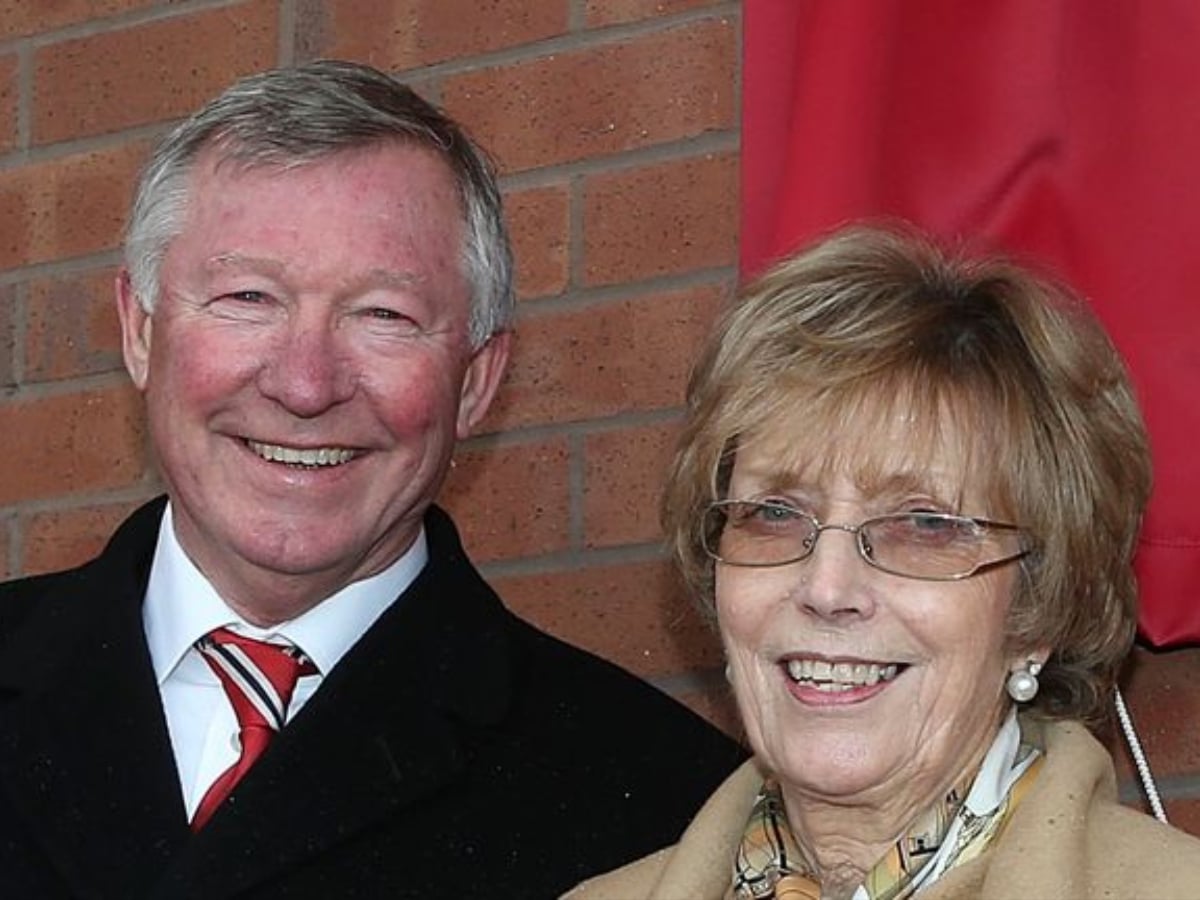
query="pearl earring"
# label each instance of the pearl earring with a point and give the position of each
(1023, 684)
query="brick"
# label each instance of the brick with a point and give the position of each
(624, 475)
(510, 501)
(660, 220)
(602, 100)
(66, 207)
(8, 318)
(614, 12)
(162, 70)
(72, 327)
(405, 34)
(635, 615)
(539, 225)
(67, 538)
(1162, 691)
(24, 17)
(6, 543)
(55, 446)
(604, 359)
(1185, 814)
(8, 102)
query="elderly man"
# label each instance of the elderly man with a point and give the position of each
(285, 679)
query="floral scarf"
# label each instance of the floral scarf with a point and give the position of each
(770, 866)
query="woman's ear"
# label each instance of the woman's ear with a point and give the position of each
(1022, 682)
(1037, 656)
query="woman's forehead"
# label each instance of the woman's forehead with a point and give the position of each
(882, 448)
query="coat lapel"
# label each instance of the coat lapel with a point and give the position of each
(388, 727)
(84, 748)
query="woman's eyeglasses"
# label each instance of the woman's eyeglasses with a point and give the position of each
(931, 546)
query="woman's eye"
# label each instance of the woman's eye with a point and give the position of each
(927, 529)
(766, 515)
(776, 512)
(930, 521)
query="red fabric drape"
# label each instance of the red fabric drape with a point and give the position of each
(1063, 130)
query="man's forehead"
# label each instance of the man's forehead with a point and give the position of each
(400, 190)
(237, 262)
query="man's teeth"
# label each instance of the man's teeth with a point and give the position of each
(842, 676)
(307, 456)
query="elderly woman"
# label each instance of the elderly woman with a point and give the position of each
(909, 487)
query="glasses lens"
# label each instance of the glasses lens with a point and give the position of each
(743, 533)
(930, 545)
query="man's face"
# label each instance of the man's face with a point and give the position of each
(307, 369)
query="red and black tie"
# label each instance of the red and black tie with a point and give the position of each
(258, 679)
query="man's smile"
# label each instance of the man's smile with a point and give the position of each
(302, 456)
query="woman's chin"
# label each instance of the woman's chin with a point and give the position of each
(830, 767)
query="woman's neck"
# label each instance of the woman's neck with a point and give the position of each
(841, 845)
(842, 841)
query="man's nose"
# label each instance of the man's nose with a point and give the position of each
(306, 370)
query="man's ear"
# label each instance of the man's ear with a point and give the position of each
(481, 381)
(136, 325)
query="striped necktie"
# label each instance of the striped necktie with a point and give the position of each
(258, 679)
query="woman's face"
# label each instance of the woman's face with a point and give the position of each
(858, 687)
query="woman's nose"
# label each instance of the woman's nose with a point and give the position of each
(833, 581)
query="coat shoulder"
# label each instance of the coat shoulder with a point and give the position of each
(1130, 848)
(62, 603)
(594, 700)
(635, 880)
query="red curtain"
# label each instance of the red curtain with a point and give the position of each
(1063, 130)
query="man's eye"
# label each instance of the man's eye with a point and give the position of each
(246, 296)
(388, 320)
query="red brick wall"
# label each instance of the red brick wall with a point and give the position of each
(615, 123)
(615, 126)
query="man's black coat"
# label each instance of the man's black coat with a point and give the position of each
(455, 751)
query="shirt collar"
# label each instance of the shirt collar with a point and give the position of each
(181, 606)
(1006, 761)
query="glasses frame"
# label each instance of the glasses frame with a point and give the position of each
(860, 539)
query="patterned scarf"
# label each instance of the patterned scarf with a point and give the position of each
(769, 864)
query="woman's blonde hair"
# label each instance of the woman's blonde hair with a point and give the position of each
(884, 320)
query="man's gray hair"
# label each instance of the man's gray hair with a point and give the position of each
(290, 117)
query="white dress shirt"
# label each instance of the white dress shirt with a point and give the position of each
(181, 606)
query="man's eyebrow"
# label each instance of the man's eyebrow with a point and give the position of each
(226, 261)
(391, 278)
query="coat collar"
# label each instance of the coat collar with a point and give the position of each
(84, 747)
(392, 724)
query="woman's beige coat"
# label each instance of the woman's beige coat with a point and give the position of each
(1068, 839)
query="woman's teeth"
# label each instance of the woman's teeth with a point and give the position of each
(841, 676)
